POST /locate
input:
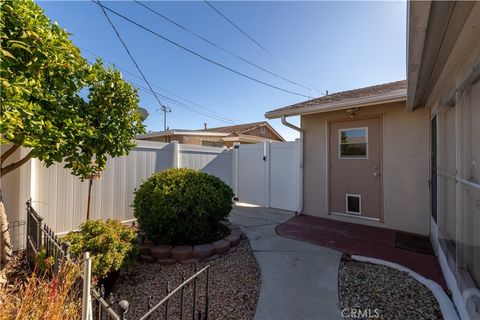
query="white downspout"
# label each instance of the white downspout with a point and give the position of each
(300, 158)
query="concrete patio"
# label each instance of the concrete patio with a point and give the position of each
(299, 280)
(356, 239)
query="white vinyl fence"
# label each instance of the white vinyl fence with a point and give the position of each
(265, 174)
(269, 174)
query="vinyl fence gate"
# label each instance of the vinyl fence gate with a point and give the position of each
(268, 174)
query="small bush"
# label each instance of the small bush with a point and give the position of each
(43, 262)
(112, 245)
(183, 206)
(45, 297)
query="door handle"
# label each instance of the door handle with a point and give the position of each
(376, 174)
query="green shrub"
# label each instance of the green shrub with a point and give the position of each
(44, 262)
(183, 206)
(112, 245)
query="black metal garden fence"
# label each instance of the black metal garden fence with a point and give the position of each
(104, 308)
(196, 313)
(41, 237)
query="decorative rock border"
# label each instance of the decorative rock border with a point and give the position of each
(167, 255)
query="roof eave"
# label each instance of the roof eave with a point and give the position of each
(394, 96)
(417, 22)
(244, 138)
(180, 132)
(275, 132)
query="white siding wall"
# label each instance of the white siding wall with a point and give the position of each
(61, 198)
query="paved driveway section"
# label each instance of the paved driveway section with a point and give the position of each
(299, 280)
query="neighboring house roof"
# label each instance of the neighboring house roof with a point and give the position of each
(244, 129)
(243, 138)
(180, 132)
(240, 130)
(383, 93)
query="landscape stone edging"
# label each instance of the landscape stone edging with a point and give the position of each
(166, 254)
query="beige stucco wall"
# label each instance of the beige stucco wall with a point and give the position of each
(405, 166)
(15, 186)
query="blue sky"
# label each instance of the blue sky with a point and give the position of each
(330, 46)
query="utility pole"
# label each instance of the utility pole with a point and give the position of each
(165, 109)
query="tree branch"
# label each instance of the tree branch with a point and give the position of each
(9, 152)
(15, 165)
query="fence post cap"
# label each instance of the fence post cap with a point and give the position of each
(86, 255)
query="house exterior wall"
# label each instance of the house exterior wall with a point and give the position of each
(198, 140)
(157, 139)
(10, 185)
(405, 166)
(454, 101)
(15, 186)
(450, 91)
(184, 139)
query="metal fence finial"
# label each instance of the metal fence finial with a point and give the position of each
(123, 305)
(111, 299)
(66, 249)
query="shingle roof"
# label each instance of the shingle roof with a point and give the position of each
(240, 128)
(348, 95)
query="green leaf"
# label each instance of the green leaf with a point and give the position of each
(42, 107)
(6, 53)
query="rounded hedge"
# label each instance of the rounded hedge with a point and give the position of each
(183, 206)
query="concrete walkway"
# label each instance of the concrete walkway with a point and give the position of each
(299, 280)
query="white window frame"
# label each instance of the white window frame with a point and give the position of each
(359, 203)
(340, 157)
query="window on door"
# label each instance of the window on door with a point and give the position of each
(353, 143)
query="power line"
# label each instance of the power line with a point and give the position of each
(182, 105)
(143, 76)
(254, 41)
(154, 93)
(220, 47)
(201, 56)
(128, 51)
(179, 103)
(219, 115)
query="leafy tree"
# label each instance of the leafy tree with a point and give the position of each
(53, 102)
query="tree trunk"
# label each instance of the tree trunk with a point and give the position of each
(90, 182)
(5, 245)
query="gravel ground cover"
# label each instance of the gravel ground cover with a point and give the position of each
(234, 286)
(396, 295)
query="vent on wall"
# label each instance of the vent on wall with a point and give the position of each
(353, 203)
